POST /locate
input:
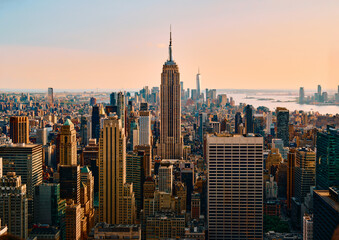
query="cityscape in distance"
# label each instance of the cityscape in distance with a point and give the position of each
(117, 136)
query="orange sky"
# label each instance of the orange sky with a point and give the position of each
(260, 44)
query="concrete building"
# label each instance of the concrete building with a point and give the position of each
(115, 231)
(14, 205)
(235, 186)
(19, 129)
(307, 227)
(166, 178)
(73, 221)
(145, 128)
(68, 144)
(165, 226)
(116, 197)
(304, 172)
(170, 135)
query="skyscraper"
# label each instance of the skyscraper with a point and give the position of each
(50, 97)
(237, 122)
(70, 182)
(327, 167)
(68, 144)
(326, 213)
(48, 207)
(304, 172)
(113, 99)
(170, 134)
(116, 197)
(14, 205)
(19, 129)
(166, 178)
(235, 186)
(145, 128)
(301, 95)
(73, 221)
(198, 84)
(282, 124)
(96, 122)
(25, 161)
(249, 119)
(121, 108)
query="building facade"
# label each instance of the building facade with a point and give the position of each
(235, 186)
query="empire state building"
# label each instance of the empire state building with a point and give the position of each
(170, 135)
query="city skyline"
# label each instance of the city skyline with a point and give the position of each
(280, 45)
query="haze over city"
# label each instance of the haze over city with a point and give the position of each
(118, 44)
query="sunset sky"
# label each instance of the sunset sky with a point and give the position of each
(111, 44)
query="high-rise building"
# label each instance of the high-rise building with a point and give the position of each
(170, 134)
(147, 161)
(198, 84)
(96, 122)
(301, 95)
(325, 213)
(319, 91)
(237, 122)
(113, 99)
(166, 178)
(307, 227)
(92, 101)
(19, 129)
(73, 220)
(49, 208)
(187, 177)
(14, 205)
(145, 128)
(235, 186)
(282, 125)
(195, 206)
(116, 197)
(135, 175)
(290, 176)
(68, 144)
(85, 130)
(70, 182)
(121, 108)
(91, 159)
(327, 164)
(304, 172)
(87, 197)
(50, 97)
(26, 161)
(249, 124)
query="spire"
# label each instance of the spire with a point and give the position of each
(199, 70)
(170, 46)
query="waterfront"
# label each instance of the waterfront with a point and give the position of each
(274, 100)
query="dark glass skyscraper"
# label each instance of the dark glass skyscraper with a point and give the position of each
(327, 168)
(326, 213)
(95, 122)
(113, 99)
(283, 116)
(237, 122)
(249, 119)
